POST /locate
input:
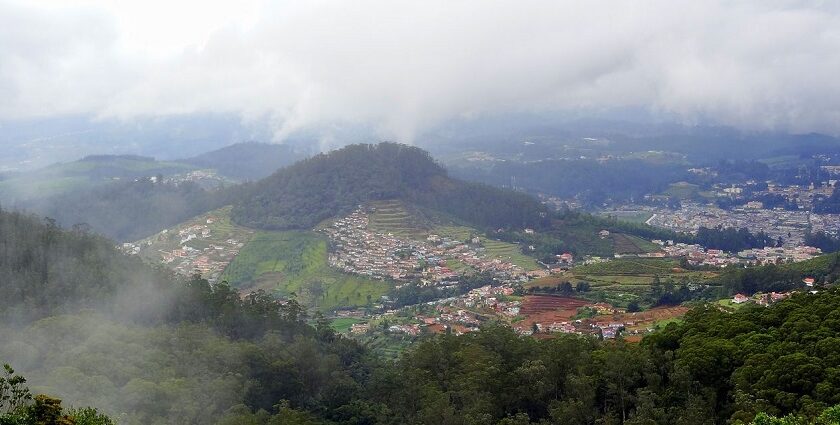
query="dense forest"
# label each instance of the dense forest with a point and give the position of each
(19, 407)
(94, 327)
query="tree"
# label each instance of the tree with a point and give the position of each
(566, 288)
(13, 392)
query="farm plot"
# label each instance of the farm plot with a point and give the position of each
(549, 309)
(295, 262)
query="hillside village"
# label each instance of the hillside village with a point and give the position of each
(204, 245)
(790, 226)
(435, 261)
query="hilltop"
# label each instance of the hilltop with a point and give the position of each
(333, 184)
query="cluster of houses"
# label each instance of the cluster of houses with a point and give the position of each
(790, 226)
(358, 249)
(204, 178)
(605, 329)
(762, 298)
(825, 223)
(697, 255)
(490, 297)
(458, 314)
(194, 249)
(770, 255)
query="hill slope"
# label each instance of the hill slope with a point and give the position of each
(246, 161)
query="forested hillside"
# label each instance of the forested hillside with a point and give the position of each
(93, 327)
(333, 184)
(130, 210)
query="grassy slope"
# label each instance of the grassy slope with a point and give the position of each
(221, 230)
(296, 262)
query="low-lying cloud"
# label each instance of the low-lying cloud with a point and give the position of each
(404, 66)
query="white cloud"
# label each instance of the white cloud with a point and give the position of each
(403, 66)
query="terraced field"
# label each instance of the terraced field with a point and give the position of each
(394, 217)
(634, 266)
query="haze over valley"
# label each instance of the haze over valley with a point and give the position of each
(495, 213)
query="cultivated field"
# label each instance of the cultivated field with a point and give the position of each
(394, 217)
(295, 262)
(548, 309)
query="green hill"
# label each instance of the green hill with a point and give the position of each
(333, 184)
(91, 171)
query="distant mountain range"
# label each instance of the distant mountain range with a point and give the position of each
(238, 162)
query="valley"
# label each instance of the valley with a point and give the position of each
(419, 213)
(390, 270)
(414, 261)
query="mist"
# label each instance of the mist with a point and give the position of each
(401, 68)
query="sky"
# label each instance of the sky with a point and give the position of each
(403, 67)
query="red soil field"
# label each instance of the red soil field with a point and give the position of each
(549, 309)
(533, 304)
